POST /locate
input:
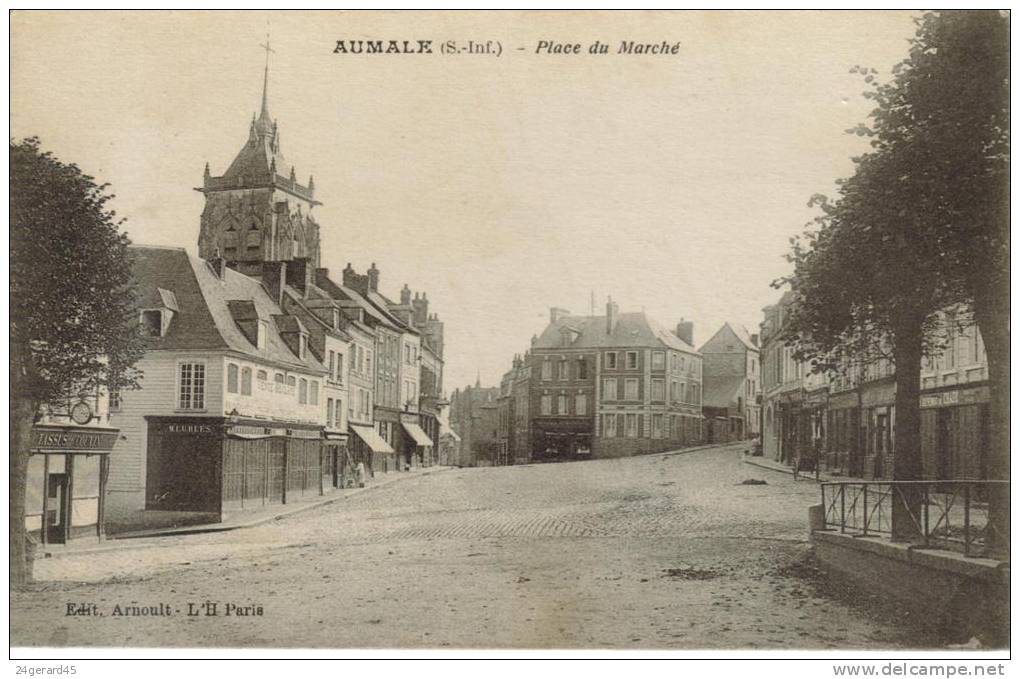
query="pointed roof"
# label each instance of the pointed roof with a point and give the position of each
(738, 331)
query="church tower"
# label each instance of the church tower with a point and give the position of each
(257, 211)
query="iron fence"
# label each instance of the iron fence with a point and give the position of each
(950, 514)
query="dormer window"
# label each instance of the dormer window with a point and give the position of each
(152, 322)
(263, 335)
(336, 318)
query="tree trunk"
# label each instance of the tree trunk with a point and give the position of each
(994, 326)
(23, 410)
(906, 500)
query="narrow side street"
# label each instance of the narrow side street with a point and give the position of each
(662, 551)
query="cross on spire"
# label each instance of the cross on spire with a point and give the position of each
(265, 80)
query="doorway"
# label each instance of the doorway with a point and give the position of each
(57, 506)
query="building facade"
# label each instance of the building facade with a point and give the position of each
(229, 412)
(732, 381)
(612, 386)
(474, 416)
(847, 420)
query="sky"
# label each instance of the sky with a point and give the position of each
(500, 185)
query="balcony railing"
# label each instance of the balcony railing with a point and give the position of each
(951, 514)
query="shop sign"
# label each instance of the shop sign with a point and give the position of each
(190, 428)
(67, 438)
(955, 397)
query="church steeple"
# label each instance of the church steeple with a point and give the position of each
(255, 211)
(265, 121)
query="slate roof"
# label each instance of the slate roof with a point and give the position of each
(633, 329)
(206, 319)
(721, 391)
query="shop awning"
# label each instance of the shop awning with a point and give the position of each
(416, 433)
(372, 439)
(446, 430)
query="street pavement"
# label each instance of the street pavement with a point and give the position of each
(660, 551)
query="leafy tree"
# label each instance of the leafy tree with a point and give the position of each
(921, 226)
(72, 320)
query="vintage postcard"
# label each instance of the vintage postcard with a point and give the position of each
(513, 330)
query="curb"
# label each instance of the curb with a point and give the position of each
(125, 538)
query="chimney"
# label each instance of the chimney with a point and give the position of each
(421, 310)
(685, 331)
(299, 275)
(373, 278)
(754, 339)
(556, 313)
(349, 276)
(274, 274)
(612, 315)
(405, 295)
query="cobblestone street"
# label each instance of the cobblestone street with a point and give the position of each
(662, 551)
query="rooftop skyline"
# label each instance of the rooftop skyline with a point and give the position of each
(501, 187)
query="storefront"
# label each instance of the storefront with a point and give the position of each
(417, 446)
(339, 469)
(878, 418)
(842, 446)
(216, 465)
(66, 482)
(954, 432)
(371, 449)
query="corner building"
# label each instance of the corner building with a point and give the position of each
(613, 386)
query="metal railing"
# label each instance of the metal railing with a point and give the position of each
(951, 514)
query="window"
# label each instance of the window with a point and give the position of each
(581, 404)
(657, 426)
(658, 390)
(582, 369)
(332, 363)
(302, 345)
(669, 426)
(261, 375)
(368, 362)
(658, 360)
(546, 370)
(609, 388)
(561, 405)
(291, 381)
(313, 393)
(115, 403)
(630, 389)
(191, 386)
(338, 413)
(611, 360)
(302, 395)
(340, 368)
(231, 378)
(631, 425)
(263, 334)
(279, 378)
(695, 394)
(631, 360)
(609, 425)
(246, 381)
(329, 412)
(152, 323)
(683, 392)
(564, 370)
(547, 405)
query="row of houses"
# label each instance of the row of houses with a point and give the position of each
(266, 377)
(847, 421)
(611, 386)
